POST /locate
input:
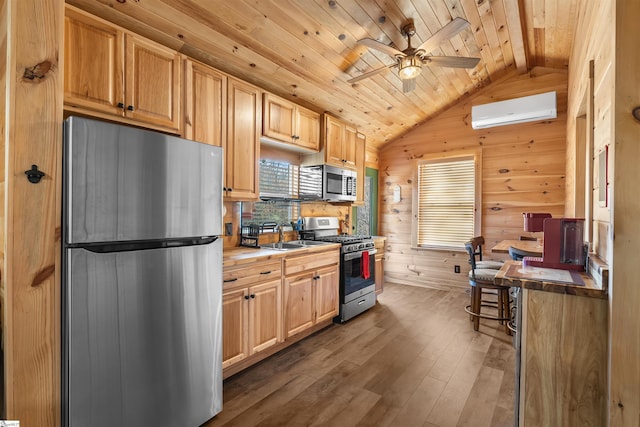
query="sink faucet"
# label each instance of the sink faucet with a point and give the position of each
(280, 228)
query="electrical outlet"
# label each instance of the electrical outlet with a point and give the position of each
(228, 228)
(456, 269)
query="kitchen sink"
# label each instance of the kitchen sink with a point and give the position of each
(286, 246)
(308, 243)
(294, 244)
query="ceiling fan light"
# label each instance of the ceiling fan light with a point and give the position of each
(410, 67)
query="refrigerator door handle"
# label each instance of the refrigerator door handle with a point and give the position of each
(108, 247)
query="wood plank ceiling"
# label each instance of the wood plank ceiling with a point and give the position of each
(306, 50)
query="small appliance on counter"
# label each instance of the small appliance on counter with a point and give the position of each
(357, 265)
(563, 246)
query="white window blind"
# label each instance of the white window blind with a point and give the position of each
(278, 179)
(446, 202)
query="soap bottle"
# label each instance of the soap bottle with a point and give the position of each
(300, 225)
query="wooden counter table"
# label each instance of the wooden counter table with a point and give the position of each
(525, 245)
(514, 274)
(561, 361)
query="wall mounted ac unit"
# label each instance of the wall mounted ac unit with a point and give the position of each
(512, 111)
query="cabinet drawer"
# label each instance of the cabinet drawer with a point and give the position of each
(250, 275)
(297, 264)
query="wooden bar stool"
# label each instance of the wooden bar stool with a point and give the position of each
(482, 279)
(478, 242)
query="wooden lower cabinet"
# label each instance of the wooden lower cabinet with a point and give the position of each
(311, 287)
(251, 314)
(262, 312)
(563, 360)
(379, 245)
(379, 272)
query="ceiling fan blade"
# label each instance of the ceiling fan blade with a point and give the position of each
(443, 34)
(408, 85)
(370, 73)
(452, 61)
(374, 44)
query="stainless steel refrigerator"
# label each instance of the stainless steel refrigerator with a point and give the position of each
(142, 278)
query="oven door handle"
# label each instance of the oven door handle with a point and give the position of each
(353, 255)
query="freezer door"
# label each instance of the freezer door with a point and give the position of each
(142, 337)
(122, 184)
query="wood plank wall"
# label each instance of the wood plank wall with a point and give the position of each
(523, 170)
(32, 32)
(590, 93)
(609, 34)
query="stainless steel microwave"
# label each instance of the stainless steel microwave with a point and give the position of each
(330, 183)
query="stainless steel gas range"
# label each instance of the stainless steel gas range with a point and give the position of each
(357, 265)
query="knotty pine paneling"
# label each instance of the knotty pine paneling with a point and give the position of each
(32, 31)
(523, 170)
(610, 33)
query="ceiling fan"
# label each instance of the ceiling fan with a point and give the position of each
(410, 61)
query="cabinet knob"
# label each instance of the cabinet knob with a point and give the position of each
(130, 108)
(246, 297)
(230, 280)
(253, 295)
(120, 105)
(265, 272)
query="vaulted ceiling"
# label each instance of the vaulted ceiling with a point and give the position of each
(307, 50)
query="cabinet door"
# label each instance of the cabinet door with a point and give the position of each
(334, 135)
(93, 64)
(243, 144)
(326, 293)
(234, 326)
(349, 147)
(278, 119)
(361, 148)
(299, 304)
(205, 104)
(379, 272)
(152, 83)
(265, 314)
(308, 129)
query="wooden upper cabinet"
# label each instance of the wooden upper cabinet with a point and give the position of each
(205, 106)
(152, 83)
(333, 140)
(278, 118)
(242, 148)
(349, 146)
(93, 63)
(110, 71)
(339, 143)
(361, 147)
(287, 122)
(308, 129)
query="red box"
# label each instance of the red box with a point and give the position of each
(534, 221)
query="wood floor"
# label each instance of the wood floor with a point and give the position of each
(412, 360)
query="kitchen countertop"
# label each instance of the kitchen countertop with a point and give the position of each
(589, 289)
(241, 255)
(379, 241)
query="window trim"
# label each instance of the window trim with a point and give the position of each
(477, 218)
